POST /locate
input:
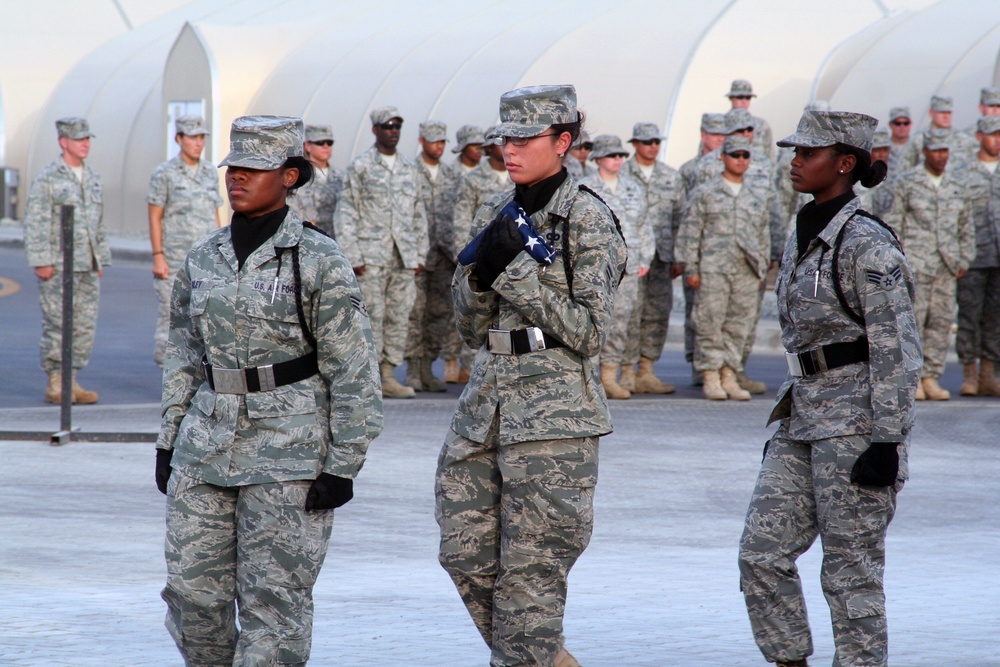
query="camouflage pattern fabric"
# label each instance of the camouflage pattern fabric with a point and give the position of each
(389, 293)
(628, 202)
(962, 147)
(264, 142)
(625, 317)
(479, 185)
(529, 111)
(317, 200)
(86, 295)
(763, 139)
(934, 306)
(982, 198)
(877, 200)
(761, 170)
(817, 129)
(896, 153)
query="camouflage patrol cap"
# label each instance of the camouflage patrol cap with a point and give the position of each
(73, 127)
(738, 119)
(642, 132)
(467, 135)
(583, 138)
(936, 139)
(264, 142)
(490, 136)
(988, 124)
(433, 130)
(384, 115)
(942, 104)
(713, 123)
(319, 133)
(740, 88)
(826, 128)
(899, 112)
(735, 143)
(529, 111)
(990, 97)
(607, 145)
(881, 139)
(817, 105)
(190, 125)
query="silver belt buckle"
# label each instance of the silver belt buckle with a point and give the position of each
(229, 380)
(536, 341)
(265, 375)
(500, 341)
(794, 365)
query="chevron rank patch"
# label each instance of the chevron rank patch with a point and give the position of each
(359, 305)
(885, 281)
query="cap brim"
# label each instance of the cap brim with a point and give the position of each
(252, 161)
(519, 130)
(804, 141)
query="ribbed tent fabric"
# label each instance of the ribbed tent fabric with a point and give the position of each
(332, 61)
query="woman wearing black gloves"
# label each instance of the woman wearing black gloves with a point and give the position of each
(838, 459)
(270, 398)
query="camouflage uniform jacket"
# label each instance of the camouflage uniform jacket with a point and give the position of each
(317, 200)
(689, 174)
(896, 153)
(982, 196)
(54, 186)
(439, 197)
(379, 208)
(664, 194)
(553, 393)
(189, 204)
(478, 186)
(236, 319)
(763, 138)
(932, 223)
(720, 229)
(628, 204)
(874, 397)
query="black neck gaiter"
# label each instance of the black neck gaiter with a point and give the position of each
(533, 199)
(248, 234)
(813, 218)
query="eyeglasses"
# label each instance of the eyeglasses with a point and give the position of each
(322, 142)
(587, 146)
(649, 142)
(519, 141)
(739, 155)
(740, 97)
(901, 123)
(389, 127)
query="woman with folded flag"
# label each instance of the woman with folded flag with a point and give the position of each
(534, 294)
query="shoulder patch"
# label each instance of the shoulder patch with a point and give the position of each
(885, 281)
(359, 306)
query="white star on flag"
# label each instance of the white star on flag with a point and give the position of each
(532, 242)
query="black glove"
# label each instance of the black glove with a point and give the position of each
(877, 466)
(499, 245)
(163, 468)
(329, 492)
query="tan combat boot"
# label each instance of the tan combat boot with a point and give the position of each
(565, 659)
(53, 390)
(753, 386)
(970, 380)
(609, 378)
(451, 371)
(463, 374)
(731, 386)
(933, 390)
(712, 388)
(627, 378)
(390, 387)
(81, 395)
(413, 372)
(646, 381)
(988, 385)
(427, 379)
(921, 396)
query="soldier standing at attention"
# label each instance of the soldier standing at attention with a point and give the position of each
(989, 105)
(469, 146)
(516, 475)
(576, 161)
(724, 244)
(978, 291)
(900, 126)
(838, 458)
(940, 110)
(713, 133)
(740, 95)
(382, 228)
(432, 319)
(270, 399)
(183, 204)
(67, 180)
(317, 200)
(663, 202)
(930, 214)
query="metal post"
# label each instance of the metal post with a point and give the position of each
(65, 412)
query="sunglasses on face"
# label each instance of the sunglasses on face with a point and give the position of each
(587, 146)
(901, 123)
(520, 141)
(650, 142)
(323, 142)
(740, 97)
(388, 127)
(739, 155)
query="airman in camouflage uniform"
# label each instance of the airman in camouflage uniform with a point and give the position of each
(989, 105)
(317, 200)
(900, 124)
(713, 133)
(930, 214)
(847, 406)
(740, 95)
(738, 121)
(382, 228)
(468, 146)
(268, 410)
(67, 181)
(432, 319)
(576, 160)
(978, 291)
(663, 194)
(516, 476)
(962, 147)
(183, 201)
(878, 200)
(724, 244)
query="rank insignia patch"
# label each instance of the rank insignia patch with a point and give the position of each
(887, 280)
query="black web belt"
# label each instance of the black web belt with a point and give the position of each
(519, 341)
(260, 378)
(824, 358)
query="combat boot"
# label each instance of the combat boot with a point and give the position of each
(565, 659)
(731, 386)
(53, 390)
(627, 378)
(711, 386)
(970, 380)
(609, 375)
(921, 396)
(390, 387)
(988, 385)
(81, 395)
(463, 374)
(933, 390)
(646, 381)
(755, 387)
(793, 663)
(427, 379)
(451, 371)
(413, 373)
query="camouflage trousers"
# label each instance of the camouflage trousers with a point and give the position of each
(626, 304)
(252, 550)
(86, 295)
(934, 308)
(978, 315)
(726, 309)
(514, 519)
(804, 491)
(432, 319)
(690, 295)
(389, 293)
(651, 316)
